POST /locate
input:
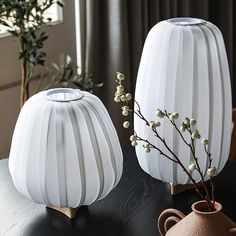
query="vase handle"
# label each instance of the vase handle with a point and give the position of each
(163, 222)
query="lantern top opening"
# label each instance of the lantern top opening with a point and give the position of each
(182, 21)
(64, 94)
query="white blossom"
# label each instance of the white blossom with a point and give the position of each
(160, 113)
(120, 76)
(212, 172)
(126, 124)
(146, 145)
(196, 135)
(117, 98)
(172, 118)
(204, 141)
(192, 122)
(125, 113)
(123, 98)
(176, 115)
(186, 122)
(118, 93)
(134, 143)
(192, 167)
(128, 96)
(182, 128)
(147, 150)
(125, 108)
(154, 124)
(133, 137)
(119, 88)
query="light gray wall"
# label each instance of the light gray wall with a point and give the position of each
(61, 42)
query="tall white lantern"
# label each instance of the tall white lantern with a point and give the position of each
(184, 69)
(65, 151)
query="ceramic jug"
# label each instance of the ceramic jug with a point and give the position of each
(199, 222)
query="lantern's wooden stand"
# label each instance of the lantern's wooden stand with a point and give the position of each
(69, 212)
(179, 188)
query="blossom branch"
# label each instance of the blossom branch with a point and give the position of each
(177, 160)
(122, 96)
(150, 145)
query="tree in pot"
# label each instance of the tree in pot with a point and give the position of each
(67, 75)
(25, 21)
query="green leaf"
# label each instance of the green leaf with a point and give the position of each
(56, 66)
(99, 85)
(68, 59)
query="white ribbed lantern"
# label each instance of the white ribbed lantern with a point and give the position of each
(184, 69)
(65, 151)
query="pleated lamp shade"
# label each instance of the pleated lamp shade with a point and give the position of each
(65, 151)
(184, 69)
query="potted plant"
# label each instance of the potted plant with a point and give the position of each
(26, 21)
(67, 76)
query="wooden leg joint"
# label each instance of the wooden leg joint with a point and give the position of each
(179, 188)
(69, 212)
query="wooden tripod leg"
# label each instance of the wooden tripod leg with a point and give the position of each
(179, 188)
(69, 212)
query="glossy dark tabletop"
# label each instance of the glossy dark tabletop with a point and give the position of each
(131, 209)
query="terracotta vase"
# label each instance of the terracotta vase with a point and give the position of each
(199, 222)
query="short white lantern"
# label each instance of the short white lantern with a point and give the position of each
(65, 151)
(184, 69)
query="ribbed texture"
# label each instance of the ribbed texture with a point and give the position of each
(184, 69)
(65, 154)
